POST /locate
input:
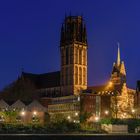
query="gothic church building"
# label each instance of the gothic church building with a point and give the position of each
(71, 80)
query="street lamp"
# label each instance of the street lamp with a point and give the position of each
(23, 113)
(97, 118)
(76, 114)
(134, 113)
(133, 110)
(34, 113)
(106, 112)
(69, 117)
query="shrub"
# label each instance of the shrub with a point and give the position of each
(62, 126)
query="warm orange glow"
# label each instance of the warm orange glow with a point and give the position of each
(69, 117)
(97, 118)
(35, 113)
(106, 112)
(76, 114)
(133, 110)
(23, 113)
(110, 84)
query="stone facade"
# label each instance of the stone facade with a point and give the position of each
(73, 49)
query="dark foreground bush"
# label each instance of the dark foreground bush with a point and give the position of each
(52, 127)
(20, 128)
(62, 126)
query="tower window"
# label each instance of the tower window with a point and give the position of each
(71, 76)
(76, 75)
(80, 56)
(76, 55)
(84, 76)
(67, 56)
(71, 55)
(84, 57)
(80, 76)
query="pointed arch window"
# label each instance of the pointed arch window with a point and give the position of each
(84, 76)
(80, 76)
(67, 55)
(76, 55)
(76, 75)
(80, 56)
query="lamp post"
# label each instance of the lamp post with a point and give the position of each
(96, 118)
(134, 113)
(34, 113)
(76, 114)
(106, 112)
(69, 118)
(23, 113)
(96, 122)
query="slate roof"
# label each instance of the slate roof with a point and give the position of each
(45, 80)
(3, 104)
(35, 105)
(18, 104)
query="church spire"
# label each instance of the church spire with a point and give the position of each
(118, 56)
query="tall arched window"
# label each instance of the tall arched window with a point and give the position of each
(71, 55)
(80, 56)
(76, 55)
(80, 76)
(84, 56)
(76, 75)
(67, 55)
(71, 75)
(84, 76)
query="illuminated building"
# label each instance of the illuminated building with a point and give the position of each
(59, 91)
(73, 47)
(123, 99)
(22, 112)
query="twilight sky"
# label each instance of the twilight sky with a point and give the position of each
(30, 35)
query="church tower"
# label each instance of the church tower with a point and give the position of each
(118, 76)
(73, 47)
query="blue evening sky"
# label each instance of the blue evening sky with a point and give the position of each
(30, 36)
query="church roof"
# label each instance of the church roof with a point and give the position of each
(45, 80)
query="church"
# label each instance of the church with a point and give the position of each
(66, 91)
(72, 77)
